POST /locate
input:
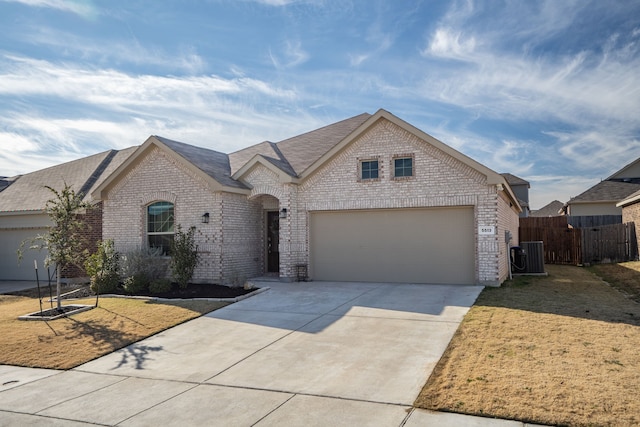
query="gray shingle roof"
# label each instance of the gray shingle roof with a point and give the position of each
(241, 157)
(213, 163)
(7, 181)
(28, 192)
(268, 150)
(550, 209)
(607, 191)
(303, 150)
(514, 180)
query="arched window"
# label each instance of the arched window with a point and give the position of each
(160, 221)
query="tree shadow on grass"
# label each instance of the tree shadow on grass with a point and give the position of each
(566, 291)
(114, 337)
(102, 335)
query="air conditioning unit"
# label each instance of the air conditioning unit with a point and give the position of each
(534, 261)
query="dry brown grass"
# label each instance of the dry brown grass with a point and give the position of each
(623, 276)
(68, 342)
(561, 349)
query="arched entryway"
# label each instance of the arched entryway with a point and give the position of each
(271, 232)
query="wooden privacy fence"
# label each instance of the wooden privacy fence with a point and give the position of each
(577, 246)
(609, 243)
(561, 245)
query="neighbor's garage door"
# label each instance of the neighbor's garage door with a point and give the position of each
(10, 269)
(394, 245)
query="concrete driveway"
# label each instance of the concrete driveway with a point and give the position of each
(316, 353)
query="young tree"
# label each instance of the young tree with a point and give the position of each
(65, 240)
(184, 256)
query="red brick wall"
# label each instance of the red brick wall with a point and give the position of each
(93, 234)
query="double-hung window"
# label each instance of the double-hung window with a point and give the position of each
(160, 226)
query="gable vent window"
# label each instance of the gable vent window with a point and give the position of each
(369, 170)
(403, 167)
(160, 227)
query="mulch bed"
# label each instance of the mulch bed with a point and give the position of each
(192, 291)
(201, 291)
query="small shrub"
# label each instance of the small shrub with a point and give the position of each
(137, 283)
(104, 285)
(140, 267)
(184, 256)
(103, 268)
(160, 286)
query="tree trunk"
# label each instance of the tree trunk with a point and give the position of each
(58, 286)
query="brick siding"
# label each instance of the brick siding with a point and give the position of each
(92, 234)
(159, 177)
(439, 181)
(232, 244)
(631, 213)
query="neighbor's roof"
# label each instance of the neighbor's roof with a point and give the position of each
(6, 181)
(633, 198)
(607, 191)
(28, 192)
(551, 209)
(514, 180)
(631, 170)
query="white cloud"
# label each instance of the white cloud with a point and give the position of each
(292, 55)
(83, 8)
(446, 43)
(115, 51)
(224, 114)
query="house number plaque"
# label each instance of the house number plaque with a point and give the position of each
(486, 229)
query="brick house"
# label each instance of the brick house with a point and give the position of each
(604, 198)
(370, 198)
(23, 201)
(631, 212)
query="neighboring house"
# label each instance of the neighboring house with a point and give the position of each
(603, 198)
(631, 212)
(23, 201)
(520, 188)
(370, 198)
(554, 208)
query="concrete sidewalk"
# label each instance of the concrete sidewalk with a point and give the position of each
(314, 353)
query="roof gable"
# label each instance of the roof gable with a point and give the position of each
(213, 163)
(630, 171)
(212, 166)
(492, 177)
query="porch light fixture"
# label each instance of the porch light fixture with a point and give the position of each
(205, 218)
(283, 213)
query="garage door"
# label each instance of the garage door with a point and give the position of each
(10, 241)
(393, 245)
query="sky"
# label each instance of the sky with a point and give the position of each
(546, 90)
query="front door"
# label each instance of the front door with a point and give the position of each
(273, 241)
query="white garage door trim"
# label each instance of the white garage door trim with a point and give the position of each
(422, 245)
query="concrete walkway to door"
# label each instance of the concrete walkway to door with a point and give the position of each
(314, 353)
